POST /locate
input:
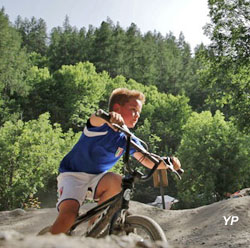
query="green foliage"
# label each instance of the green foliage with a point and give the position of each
(194, 87)
(34, 34)
(240, 100)
(102, 55)
(76, 94)
(149, 59)
(214, 157)
(30, 153)
(38, 60)
(228, 89)
(40, 97)
(229, 28)
(71, 94)
(167, 115)
(13, 66)
(226, 64)
(65, 46)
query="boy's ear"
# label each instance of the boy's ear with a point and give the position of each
(116, 107)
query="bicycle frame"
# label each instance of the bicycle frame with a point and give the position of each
(116, 203)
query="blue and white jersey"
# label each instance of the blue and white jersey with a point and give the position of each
(97, 150)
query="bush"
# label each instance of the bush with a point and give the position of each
(215, 156)
(30, 153)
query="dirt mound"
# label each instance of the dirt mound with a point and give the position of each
(223, 224)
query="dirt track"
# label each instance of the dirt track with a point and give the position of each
(199, 227)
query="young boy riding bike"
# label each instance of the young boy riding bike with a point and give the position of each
(98, 149)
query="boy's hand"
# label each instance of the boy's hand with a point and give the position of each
(176, 163)
(116, 119)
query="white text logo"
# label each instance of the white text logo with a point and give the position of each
(233, 220)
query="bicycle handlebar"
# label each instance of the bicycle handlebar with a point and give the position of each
(153, 157)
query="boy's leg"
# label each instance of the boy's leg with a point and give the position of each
(68, 210)
(108, 186)
(72, 188)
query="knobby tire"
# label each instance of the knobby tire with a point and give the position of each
(142, 226)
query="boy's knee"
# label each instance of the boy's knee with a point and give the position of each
(113, 179)
(69, 207)
(110, 182)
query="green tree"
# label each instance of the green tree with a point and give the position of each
(167, 115)
(194, 87)
(64, 48)
(228, 88)
(103, 55)
(40, 98)
(169, 64)
(34, 34)
(226, 62)
(229, 28)
(76, 93)
(87, 44)
(133, 53)
(118, 55)
(147, 61)
(215, 157)
(30, 154)
(13, 66)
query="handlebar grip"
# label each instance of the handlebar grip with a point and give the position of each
(104, 115)
(180, 171)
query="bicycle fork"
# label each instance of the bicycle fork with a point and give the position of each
(119, 218)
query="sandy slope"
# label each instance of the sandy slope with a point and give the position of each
(199, 227)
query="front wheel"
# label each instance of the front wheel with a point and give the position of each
(141, 226)
(44, 231)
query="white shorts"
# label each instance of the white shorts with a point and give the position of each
(74, 186)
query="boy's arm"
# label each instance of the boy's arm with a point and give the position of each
(149, 164)
(96, 121)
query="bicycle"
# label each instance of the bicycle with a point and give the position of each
(114, 217)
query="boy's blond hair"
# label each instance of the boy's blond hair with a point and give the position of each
(123, 95)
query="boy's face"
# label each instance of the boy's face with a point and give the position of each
(130, 112)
